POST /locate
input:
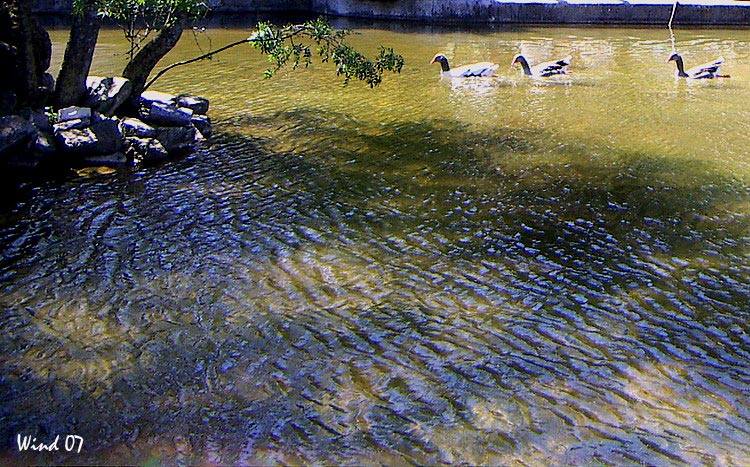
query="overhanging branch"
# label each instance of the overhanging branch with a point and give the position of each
(196, 59)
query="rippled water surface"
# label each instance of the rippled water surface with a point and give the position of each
(487, 272)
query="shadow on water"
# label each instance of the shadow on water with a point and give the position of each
(267, 301)
(423, 170)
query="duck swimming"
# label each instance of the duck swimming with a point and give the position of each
(545, 69)
(465, 71)
(708, 70)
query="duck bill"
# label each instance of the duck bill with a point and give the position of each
(432, 61)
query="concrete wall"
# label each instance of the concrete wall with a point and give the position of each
(505, 11)
(260, 6)
(224, 6)
(480, 11)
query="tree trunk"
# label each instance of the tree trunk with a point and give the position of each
(25, 49)
(84, 32)
(138, 69)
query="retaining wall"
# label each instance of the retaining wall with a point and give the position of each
(697, 12)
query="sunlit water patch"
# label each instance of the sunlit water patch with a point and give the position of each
(494, 272)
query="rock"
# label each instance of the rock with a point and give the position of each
(199, 138)
(199, 105)
(40, 120)
(71, 113)
(71, 124)
(203, 124)
(149, 97)
(107, 94)
(134, 127)
(77, 141)
(177, 139)
(168, 115)
(44, 145)
(116, 159)
(145, 149)
(39, 151)
(103, 137)
(15, 132)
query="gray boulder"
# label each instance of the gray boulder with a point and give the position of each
(107, 94)
(72, 113)
(76, 123)
(134, 127)
(145, 149)
(40, 120)
(44, 145)
(149, 97)
(15, 133)
(102, 137)
(168, 115)
(199, 105)
(203, 124)
(177, 139)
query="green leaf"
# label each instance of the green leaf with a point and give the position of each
(285, 44)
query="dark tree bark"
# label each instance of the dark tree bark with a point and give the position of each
(138, 69)
(84, 32)
(26, 50)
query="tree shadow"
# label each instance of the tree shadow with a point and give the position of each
(416, 169)
(212, 343)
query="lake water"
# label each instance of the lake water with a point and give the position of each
(493, 271)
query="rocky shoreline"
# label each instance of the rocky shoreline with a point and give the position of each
(99, 134)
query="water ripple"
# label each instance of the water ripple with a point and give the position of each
(335, 282)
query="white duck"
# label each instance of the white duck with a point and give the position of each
(708, 70)
(465, 71)
(543, 70)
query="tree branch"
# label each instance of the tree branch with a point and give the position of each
(192, 60)
(272, 41)
(299, 29)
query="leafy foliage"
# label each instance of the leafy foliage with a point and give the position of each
(156, 13)
(139, 18)
(291, 44)
(120, 9)
(80, 6)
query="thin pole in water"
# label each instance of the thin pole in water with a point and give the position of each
(671, 32)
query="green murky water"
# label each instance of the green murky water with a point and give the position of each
(493, 271)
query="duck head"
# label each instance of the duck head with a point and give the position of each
(675, 57)
(440, 58)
